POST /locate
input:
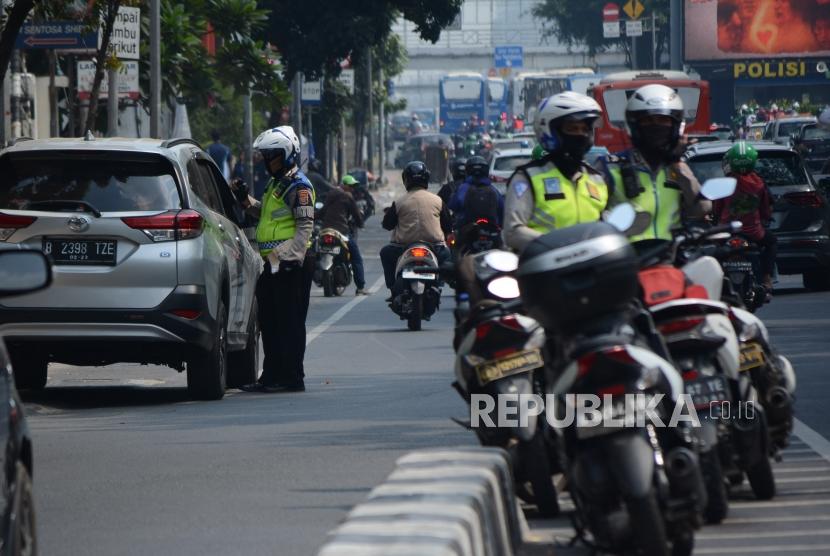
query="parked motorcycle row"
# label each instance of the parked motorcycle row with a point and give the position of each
(584, 311)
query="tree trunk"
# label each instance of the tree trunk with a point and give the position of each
(20, 10)
(100, 62)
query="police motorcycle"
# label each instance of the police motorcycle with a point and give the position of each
(333, 261)
(499, 352)
(417, 292)
(636, 485)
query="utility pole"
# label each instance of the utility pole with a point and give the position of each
(155, 68)
(3, 112)
(370, 151)
(676, 34)
(297, 117)
(381, 130)
(15, 98)
(112, 103)
(633, 53)
(53, 95)
(653, 40)
(249, 140)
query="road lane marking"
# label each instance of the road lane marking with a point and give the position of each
(776, 519)
(798, 451)
(814, 548)
(802, 479)
(342, 312)
(781, 504)
(801, 469)
(813, 439)
(762, 535)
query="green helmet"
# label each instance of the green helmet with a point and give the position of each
(538, 153)
(740, 158)
(349, 180)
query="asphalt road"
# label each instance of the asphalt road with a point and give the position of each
(125, 464)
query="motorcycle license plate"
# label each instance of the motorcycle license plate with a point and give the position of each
(412, 275)
(513, 364)
(616, 418)
(707, 390)
(752, 356)
(743, 266)
(332, 250)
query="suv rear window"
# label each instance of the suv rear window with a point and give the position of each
(131, 183)
(510, 163)
(776, 168)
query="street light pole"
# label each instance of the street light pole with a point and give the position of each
(675, 34)
(155, 68)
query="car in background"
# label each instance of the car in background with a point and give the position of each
(509, 143)
(504, 163)
(398, 127)
(813, 142)
(801, 214)
(782, 129)
(427, 118)
(151, 264)
(21, 272)
(721, 132)
(756, 131)
(692, 138)
(414, 147)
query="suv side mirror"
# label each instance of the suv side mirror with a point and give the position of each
(23, 271)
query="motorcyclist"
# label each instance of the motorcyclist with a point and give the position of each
(416, 217)
(751, 204)
(361, 195)
(415, 125)
(476, 197)
(341, 213)
(560, 189)
(458, 174)
(651, 176)
(322, 186)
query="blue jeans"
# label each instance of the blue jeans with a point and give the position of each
(357, 264)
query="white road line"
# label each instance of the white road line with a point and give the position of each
(803, 479)
(797, 451)
(814, 548)
(341, 312)
(813, 439)
(779, 469)
(763, 535)
(781, 504)
(799, 461)
(776, 519)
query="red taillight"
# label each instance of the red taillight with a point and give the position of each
(737, 243)
(613, 390)
(511, 321)
(679, 325)
(418, 252)
(328, 240)
(617, 353)
(810, 199)
(188, 314)
(483, 329)
(504, 352)
(10, 223)
(168, 226)
(482, 221)
(690, 375)
(451, 240)
(497, 179)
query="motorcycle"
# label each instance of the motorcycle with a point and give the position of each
(499, 352)
(637, 486)
(740, 261)
(417, 292)
(333, 262)
(479, 236)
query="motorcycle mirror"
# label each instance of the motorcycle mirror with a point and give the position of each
(318, 205)
(502, 261)
(504, 287)
(718, 188)
(622, 217)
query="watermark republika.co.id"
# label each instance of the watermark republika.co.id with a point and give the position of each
(595, 411)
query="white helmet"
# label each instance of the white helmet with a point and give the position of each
(654, 100)
(556, 109)
(276, 142)
(824, 118)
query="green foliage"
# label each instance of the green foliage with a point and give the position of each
(579, 22)
(226, 116)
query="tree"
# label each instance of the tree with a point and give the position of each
(12, 20)
(316, 37)
(579, 22)
(106, 12)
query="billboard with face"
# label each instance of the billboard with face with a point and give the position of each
(740, 29)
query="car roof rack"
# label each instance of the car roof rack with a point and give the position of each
(168, 143)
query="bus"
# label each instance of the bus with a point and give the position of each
(530, 88)
(613, 91)
(461, 95)
(497, 102)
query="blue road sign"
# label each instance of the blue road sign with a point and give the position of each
(508, 57)
(57, 35)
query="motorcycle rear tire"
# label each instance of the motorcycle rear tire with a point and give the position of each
(717, 505)
(328, 284)
(534, 459)
(414, 320)
(761, 479)
(648, 526)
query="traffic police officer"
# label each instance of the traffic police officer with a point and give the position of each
(559, 189)
(286, 219)
(651, 176)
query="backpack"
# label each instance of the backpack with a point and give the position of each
(481, 201)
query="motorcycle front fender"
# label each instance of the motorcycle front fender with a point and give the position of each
(326, 261)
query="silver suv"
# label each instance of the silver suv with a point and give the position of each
(151, 264)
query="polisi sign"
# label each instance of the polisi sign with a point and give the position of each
(769, 70)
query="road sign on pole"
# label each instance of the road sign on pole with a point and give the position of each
(310, 93)
(126, 34)
(63, 35)
(634, 28)
(508, 57)
(611, 12)
(611, 29)
(634, 9)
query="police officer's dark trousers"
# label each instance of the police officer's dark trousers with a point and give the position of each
(282, 302)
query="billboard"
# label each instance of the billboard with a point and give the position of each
(740, 29)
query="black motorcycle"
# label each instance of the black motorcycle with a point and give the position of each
(333, 269)
(417, 292)
(740, 260)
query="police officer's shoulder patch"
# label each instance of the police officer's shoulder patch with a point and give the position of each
(303, 196)
(519, 188)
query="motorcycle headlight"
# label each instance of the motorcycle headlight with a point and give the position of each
(505, 287)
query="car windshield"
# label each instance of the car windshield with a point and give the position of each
(462, 89)
(104, 182)
(510, 163)
(776, 168)
(786, 129)
(815, 133)
(525, 143)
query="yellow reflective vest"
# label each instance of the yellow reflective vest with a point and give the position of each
(276, 221)
(559, 203)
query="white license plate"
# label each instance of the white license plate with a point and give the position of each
(617, 422)
(412, 275)
(332, 250)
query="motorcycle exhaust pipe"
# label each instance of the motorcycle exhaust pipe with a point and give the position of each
(779, 405)
(685, 477)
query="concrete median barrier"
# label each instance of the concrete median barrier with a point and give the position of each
(458, 502)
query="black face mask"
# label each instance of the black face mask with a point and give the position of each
(575, 146)
(655, 139)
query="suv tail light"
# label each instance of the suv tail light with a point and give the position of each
(810, 199)
(10, 223)
(168, 226)
(497, 179)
